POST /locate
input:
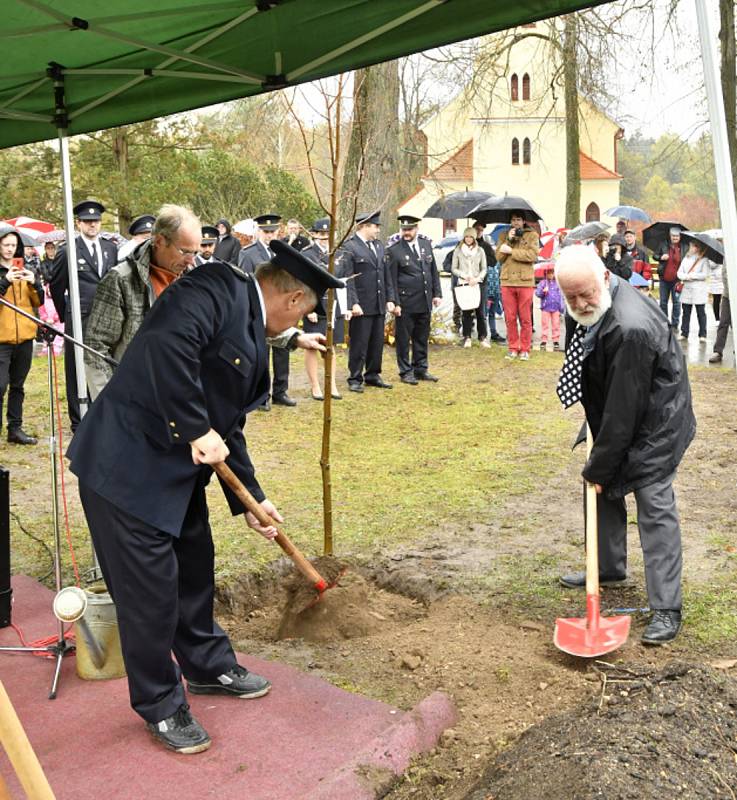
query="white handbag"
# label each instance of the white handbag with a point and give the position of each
(468, 297)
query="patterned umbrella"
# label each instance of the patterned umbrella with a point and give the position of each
(31, 227)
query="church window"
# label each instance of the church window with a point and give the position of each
(515, 151)
(592, 213)
(526, 151)
(525, 87)
(514, 88)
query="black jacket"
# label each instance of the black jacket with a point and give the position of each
(227, 249)
(636, 395)
(621, 268)
(414, 281)
(198, 361)
(369, 287)
(87, 276)
(300, 242)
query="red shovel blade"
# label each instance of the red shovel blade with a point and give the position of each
(593, 636)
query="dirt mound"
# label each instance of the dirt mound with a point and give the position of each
(648, 734)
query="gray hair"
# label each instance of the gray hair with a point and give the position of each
(294, 222)
(171, 219)
(284, 282)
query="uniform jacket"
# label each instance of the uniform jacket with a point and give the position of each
(636, 395)
(414, 280)
(123, 298)
(15, 328)
(87, 275)
(227, 249)
(253, 255)
(518, 267)
(320, 257)
(369, 288)
(198, 361)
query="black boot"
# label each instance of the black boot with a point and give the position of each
(19, 436)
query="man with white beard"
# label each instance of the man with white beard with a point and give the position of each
(625, 366)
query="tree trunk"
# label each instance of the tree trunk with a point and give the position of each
(371, 180)
(729, 77)
(570, 81)
(120, 149)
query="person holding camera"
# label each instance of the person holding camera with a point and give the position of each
(517, 253)
(21, 287)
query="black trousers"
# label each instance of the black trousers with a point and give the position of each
(15, 364)
(280, 371)
(686, 318)
(716, 301)
(366, 348)
(163, 588)
(412, 329)
(70, 374)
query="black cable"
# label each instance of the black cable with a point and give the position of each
(40, 541)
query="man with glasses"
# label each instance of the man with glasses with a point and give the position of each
(95, 258)
(129, 290)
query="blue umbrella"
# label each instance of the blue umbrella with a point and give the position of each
(448, 241)
(502, 226)
(629, 213)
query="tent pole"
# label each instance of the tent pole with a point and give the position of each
(722, 164)
(61, 120)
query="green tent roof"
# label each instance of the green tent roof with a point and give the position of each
(129, 60)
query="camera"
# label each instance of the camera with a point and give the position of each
(519, 232)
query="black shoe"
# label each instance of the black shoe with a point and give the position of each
(663, 627)
(410, 379)
(265, 407)
(283, 400)
(355, 387)
(180, 732)
(238, 682)
(380, 384)
(19, 436)
(495, 337)
(577, 580)
(426, 376)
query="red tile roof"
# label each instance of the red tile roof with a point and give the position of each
(594, 171)
(459, 167)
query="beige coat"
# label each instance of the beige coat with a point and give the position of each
(518, 267)
(469, 266)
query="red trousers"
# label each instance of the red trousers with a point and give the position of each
(517, 302)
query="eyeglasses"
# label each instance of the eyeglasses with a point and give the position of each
(184, 253)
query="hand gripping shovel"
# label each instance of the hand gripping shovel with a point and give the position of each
(319, 584)
(595, 635)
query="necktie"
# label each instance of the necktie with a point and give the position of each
(372, 248)
(569, 382)
(95, 256)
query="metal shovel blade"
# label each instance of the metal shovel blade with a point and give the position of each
(593, 636)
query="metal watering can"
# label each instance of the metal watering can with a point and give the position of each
(92, 611)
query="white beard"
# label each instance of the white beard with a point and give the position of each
(594, 313)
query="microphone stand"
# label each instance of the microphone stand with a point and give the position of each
(61, 646)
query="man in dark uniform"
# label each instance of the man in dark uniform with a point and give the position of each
(176, 404)
(362, 264)
(415, 290)
(95, 257)
(207, 245)
(139, 230)
(228, 247)
(294, 235)
(250, 257)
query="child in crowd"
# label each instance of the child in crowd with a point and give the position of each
(552, 306)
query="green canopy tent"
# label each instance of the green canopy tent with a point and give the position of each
(72, 66)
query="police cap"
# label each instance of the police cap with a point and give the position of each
(321, 225)
(408, 221)
(306, 270)
(268, 222)
(89, 210)
(142, 224)
(210, 234)
(372, 218)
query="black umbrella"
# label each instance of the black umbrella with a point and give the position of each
(498, 209)
(714, 250)
(456, 205)
(659, 233)
(589, 230)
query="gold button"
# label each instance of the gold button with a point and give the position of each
(173, 424)
(176, 435)
(237, 361)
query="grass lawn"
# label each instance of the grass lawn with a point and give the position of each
(403, 461)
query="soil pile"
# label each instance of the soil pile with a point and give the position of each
(647, 734)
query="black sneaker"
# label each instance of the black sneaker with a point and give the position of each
(664, 627)
(238, 682)
(577, 580)
(180, 732)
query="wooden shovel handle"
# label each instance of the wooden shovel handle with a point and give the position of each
(265, 519)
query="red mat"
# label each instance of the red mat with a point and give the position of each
(305, 739)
